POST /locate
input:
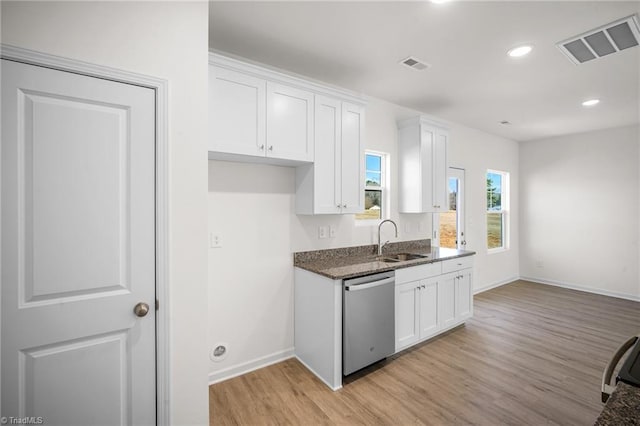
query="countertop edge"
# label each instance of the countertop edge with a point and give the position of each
(387, 266)
(623, 407)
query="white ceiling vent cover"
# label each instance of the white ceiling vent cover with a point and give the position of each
(415, 63)
(610, 38)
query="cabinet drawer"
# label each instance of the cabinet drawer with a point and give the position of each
(457, 264)
(419, 272)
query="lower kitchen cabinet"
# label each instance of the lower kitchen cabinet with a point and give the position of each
(416, 312)
(447, 300)
(464, 288)
(407, 314)
(429, 306)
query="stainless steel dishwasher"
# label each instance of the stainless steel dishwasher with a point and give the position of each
(368, 320)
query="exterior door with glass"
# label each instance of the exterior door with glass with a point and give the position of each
(449, 226)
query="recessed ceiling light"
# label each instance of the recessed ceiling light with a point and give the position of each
(519, 51)
(439, 1)
(591, 102)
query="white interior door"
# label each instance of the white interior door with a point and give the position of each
(78, 248)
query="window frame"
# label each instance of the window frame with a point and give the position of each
(505, 195)
(383, 188)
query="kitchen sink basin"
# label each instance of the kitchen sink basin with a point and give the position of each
(402, 257)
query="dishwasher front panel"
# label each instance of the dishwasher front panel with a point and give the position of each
(368, 321)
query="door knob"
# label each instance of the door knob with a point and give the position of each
(141, 309)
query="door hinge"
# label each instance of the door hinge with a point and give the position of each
(157, 304)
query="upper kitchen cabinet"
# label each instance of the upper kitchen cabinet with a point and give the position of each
(254, 114)
(289, 123)
(334, 183)
(422, 163)
(237, 112)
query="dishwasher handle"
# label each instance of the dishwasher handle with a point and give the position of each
(607, 388)
(371, 284)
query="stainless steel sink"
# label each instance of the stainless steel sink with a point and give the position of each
(402, 257)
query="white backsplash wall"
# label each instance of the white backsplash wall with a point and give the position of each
(251, 209)
(580, 219)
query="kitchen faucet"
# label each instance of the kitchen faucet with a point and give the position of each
(380, 246)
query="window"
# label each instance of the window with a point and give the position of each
(497, 208)
(375, 186)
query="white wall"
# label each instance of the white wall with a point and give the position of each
(476, 152)
(252, 208)
(166, 40)
(580, 216)
(251, 274)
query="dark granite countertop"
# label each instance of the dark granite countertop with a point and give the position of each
(349, 262)
(622, 408)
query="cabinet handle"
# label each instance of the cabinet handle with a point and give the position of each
(261, 147)
(344, 206)
(338, 206)
(270, 147)
(424, 286)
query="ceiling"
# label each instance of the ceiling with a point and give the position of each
(471, 80)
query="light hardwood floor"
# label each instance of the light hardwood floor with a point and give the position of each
(532, 355)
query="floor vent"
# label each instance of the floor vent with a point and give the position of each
(415, 63)
(603, 41)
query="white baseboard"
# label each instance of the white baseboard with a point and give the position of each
(494, 285)
(246, 367)
(333, 388)
(572, 286)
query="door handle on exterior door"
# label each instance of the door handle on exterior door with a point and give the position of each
(141, 309)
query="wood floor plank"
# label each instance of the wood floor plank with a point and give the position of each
(531, 355)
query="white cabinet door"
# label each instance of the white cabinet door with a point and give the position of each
(464, 294)
(327, 171)
(439, 156)
(428, 308)
(422, 161)
(352, 161)
(334, 184)
(427, 161)
(236, 112)
(289, 123)
(407, 315)
(447, 300)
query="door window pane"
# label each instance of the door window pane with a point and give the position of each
(448, 220)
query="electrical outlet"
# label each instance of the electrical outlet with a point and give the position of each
(407, 228)
(215, 240)
(322, 232)
(332, 231)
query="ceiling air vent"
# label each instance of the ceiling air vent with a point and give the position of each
(603, 41)
(415, 63)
